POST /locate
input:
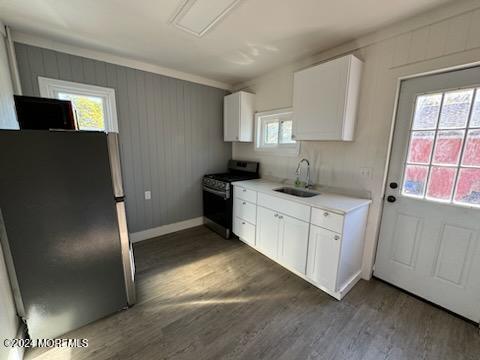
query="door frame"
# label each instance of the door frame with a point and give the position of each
(393, 124)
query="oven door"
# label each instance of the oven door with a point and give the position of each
(217, 211)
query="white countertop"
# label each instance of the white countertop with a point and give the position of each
(333, 202)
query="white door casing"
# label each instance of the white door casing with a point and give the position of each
(429, 240)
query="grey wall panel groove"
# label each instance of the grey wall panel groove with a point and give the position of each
(170, 131)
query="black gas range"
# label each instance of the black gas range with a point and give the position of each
(218, 194)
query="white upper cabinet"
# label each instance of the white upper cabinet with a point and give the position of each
(325, 99)
(238, 117)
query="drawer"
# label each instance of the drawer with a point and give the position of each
(245, 210)
(327, 220)
(244, 230)
(286, 207)
(244, 194)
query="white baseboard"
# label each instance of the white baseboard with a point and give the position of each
(165, 229)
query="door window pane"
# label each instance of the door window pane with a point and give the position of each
(455, 109)
(448, 147)
(471, 153)
(475, 120)
(438, 174)
(468, 187)
(88, 110)
(440, 183)
(420, 149)
(271, 133)
(426, 111)
(415, 179)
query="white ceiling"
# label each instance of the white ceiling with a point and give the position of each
(254, 37)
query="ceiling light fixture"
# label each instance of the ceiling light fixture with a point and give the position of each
(199, 16)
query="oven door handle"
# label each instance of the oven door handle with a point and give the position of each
(223, 194)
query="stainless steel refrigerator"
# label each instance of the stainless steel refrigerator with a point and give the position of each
(63, 228)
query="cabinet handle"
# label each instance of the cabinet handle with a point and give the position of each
(280, 217)
(325, 213)
(243, 223)
(293, 136)
(244, 190)
(336, 237)
(244, 203)
(276, 215)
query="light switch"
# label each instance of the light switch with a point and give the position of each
(148, 195)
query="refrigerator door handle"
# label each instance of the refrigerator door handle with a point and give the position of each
(127, 254)
(115, 166)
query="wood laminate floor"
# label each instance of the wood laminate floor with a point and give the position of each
(203, 297)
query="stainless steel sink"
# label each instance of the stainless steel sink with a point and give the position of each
(297, 192)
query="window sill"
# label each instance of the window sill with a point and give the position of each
(280, 151)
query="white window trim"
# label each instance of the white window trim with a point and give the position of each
(49, 88)
(277, 149)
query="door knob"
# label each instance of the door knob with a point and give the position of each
(391, 199)
(393, 185)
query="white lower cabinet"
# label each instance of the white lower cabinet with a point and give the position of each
(282, 238)
(245, 210)
(293, 243)
(244, 230)
(323, 257)
(268, 226)
(319, 245)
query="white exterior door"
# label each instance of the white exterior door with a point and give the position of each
(430, 231)
(293, 243)
(267, 232)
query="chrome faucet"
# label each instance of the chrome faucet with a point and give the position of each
(307, 179)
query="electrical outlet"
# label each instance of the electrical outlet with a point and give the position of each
(148, 195)
(366, 172)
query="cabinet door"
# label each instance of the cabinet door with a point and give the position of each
(244, 230)
(267, 232)
(323, 257)
(231, 117)
(293, 243)
(245, 210)
(246, 117)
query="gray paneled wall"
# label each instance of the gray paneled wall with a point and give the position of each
(171, 131)
(8, 119)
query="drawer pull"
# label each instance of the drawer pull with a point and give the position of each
(244, 203)
(243, 222)
(326, 213)
(244, 190)
(336, 237)
(280, 217)
(276, 215)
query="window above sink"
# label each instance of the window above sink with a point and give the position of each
(274, 132)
